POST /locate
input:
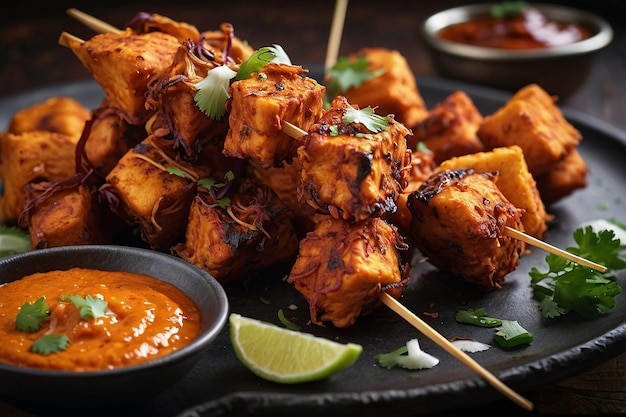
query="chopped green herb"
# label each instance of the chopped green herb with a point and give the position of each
(32, 315)
(178, 172)
(508, 9)
(390, 360)
(511, 334)
(260, 58)
(366, 116)
(13, 240)
(286, 322)
(422, 147)
(568, 286)
(210, 183)
(88, 307)
(477, 317)
(50, 343)
(348, 73)
(415, 357)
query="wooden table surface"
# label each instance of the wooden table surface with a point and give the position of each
(30, 58)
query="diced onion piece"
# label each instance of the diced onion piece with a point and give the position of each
(416, 358)
(470, 346)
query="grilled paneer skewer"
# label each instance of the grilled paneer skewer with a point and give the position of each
(259, 104)
(458, 220)
(342, 267)
(349, 171)
(250, 232)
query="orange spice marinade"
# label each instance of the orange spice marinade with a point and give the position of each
(144, 318)
(530, 29)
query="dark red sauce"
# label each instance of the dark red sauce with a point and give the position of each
(530, 29)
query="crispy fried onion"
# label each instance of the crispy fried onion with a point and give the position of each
(170, 163)
(249, 206)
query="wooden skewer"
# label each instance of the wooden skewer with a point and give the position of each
(516, 234)
(66, 39)
(436, 337)
(292, 130)
(334, 40)
(91, 22)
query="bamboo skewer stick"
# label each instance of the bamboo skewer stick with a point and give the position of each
(436, 337)
(336, 29)
(66, 39)
(91, 22)
(516, 234)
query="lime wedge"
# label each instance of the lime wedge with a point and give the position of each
(288, 356)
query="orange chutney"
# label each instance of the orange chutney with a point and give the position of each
(146, 318)
(529, 30)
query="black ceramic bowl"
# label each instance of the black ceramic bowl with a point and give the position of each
(560, 70)
(124, 384)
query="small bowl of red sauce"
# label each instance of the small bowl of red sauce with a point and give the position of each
(509, 45)
(101, 325)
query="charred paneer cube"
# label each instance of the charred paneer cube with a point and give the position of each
(240, 230)
(154, 192)
(123, 64)
(342, 268)
(63, 115)
(349, 170)
(565, 177)
(63, 213)
(514, 180)
(171, 96)
(458, 223)
(107, 138)
(450, 128)
(28, 156)
(393, 88)
(531, 120)
(261, 103)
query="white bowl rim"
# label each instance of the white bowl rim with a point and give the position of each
(437, 21)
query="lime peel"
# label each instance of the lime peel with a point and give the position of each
(287, 356)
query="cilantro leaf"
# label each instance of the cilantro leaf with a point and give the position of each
(602, 247)
(372, 121)
(512, 334)
(568, 286)
(477, 317)
(390, 360)
(32, 315)
(260, 58)
(89, 307)
(178, 172)
(348, 73)
(508, 9)
(213, 91)
(50, 343)
(13, 240)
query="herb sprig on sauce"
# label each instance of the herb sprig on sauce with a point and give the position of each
(32, 315)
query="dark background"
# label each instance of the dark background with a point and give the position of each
(30, 56)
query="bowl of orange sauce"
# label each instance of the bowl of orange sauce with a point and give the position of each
(509, 45)
(100, 324)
